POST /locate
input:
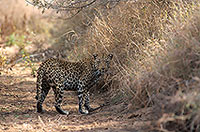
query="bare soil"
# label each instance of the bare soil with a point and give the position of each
(18, 109)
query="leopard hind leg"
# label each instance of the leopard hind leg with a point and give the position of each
(59, 91)
(42, 91)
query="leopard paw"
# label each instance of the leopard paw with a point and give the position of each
(85, 112)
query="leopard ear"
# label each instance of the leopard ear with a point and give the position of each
(95, 56)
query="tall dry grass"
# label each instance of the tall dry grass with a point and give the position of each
(17, 16)
(140, 34)
(22, 29)
(156, 46)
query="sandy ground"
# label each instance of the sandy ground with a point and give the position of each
(18, 104)
(18, 111)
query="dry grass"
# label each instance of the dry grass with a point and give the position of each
(22, 30)
(17, 17)
(156, 48)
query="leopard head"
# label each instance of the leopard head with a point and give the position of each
(101, 64)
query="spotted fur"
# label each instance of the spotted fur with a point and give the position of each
(63, 75)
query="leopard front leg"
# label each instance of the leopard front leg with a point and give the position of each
(81, 97)
(87, 102)
(59, 91)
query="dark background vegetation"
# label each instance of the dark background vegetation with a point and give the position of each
(155, 43)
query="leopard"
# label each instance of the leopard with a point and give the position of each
(79, 76)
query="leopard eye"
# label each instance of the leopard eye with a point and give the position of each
(110, 56)
(95, 56)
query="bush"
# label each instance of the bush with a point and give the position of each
(156, 46)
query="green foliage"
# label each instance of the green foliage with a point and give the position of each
(21, 41)
(16, 39)
(19, 29)
(28, 63)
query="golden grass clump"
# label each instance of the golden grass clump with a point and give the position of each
(139, 34)
(156, 46)
(19, 21)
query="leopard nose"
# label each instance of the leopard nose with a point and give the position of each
(102, 69)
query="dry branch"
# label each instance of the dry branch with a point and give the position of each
(70, 8)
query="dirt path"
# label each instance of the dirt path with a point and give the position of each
(18, 111)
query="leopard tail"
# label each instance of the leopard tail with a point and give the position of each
(40, 74)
